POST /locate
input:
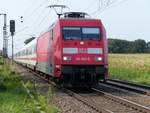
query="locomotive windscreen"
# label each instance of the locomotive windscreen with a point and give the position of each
(81, 33)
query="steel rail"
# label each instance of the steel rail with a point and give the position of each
(130, 83)
(129, 86)
(124, 102)
(90, 104)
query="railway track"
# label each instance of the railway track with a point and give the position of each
(93, 104)
(124, 102)
(143, 89)
(96, 107)
(90, 104)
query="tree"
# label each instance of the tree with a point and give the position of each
(124, 46)
(148, 47)
(118, 46)
(139, 46)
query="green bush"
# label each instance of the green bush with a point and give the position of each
(14, 97)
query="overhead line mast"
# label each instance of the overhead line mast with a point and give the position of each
(5, 39)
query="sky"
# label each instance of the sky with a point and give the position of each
(124, 19)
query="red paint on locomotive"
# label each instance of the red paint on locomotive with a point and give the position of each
(61, 55)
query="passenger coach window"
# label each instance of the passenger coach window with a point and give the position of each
(90, 33)
(72, 33)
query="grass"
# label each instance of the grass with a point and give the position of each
(130, 67)
(14, 97)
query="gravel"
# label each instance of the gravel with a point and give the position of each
(129, 95)
(64, 102)
(68, 104)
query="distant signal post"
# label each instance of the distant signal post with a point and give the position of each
(12, 30)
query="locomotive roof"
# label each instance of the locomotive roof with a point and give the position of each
(75, 15)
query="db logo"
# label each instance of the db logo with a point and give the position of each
(82, 50)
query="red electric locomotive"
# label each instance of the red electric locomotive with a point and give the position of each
(73, 51)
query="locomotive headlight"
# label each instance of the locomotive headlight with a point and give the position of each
(57, 66)
(98, 58)
(66, 58)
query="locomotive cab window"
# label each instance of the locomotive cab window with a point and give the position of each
(72, 33)
(81, 33)
(90, 33)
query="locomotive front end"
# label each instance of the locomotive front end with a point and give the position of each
(84, 52)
